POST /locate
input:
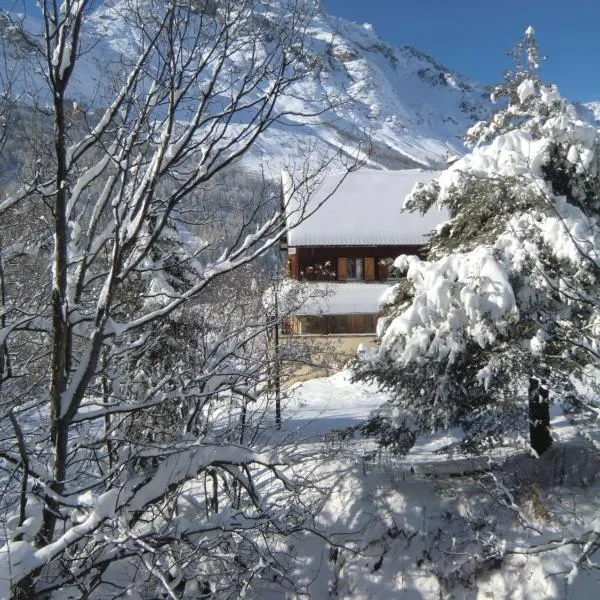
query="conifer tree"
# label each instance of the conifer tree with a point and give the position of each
(505, 308)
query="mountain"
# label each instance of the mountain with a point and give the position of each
(591, 110)
(413, 110)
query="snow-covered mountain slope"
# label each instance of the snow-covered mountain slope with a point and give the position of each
(412, 110)
(412, 106)
(591, 110)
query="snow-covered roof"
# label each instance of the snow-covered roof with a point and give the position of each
(341, 298)
(363, 209)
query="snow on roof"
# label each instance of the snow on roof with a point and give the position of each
(365, 210)
(329, 298)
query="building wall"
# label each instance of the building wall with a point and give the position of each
(330, 263)
(330, 352)
(334, 263)
(330, 324)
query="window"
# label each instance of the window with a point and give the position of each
(355, 268)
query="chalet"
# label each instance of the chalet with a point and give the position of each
(354, 230)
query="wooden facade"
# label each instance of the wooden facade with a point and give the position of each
(331, 263)
(340, 264)
(330, 324)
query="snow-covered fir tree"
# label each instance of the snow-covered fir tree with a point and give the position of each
(518, 91)
(506, 305)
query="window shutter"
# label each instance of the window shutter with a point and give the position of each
(369, 269)
(342, 269)
(293, 266)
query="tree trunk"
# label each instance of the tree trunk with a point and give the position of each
(539, 417)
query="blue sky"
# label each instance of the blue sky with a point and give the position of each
(472, 36)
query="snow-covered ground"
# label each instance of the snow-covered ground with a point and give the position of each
(318, 406)
(430, 525)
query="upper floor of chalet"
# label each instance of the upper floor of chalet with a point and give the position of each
(353, 226)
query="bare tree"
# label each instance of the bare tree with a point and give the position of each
(89, 481)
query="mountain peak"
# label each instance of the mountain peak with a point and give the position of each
(410, 109)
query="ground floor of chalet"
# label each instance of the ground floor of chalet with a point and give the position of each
(324, 354)
(331, 308)
(331, 324)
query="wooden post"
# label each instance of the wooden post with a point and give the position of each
(277, 371)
